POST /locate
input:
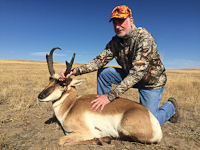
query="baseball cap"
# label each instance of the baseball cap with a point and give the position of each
(121, 12)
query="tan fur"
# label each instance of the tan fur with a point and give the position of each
(121, 118)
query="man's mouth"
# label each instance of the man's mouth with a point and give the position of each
(118, 31)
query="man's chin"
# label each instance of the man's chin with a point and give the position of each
(120, 35)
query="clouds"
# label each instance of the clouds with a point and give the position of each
(181, 63)
(43, 54)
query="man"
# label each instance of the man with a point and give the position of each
(136, 52)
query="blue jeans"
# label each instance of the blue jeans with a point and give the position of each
(148, 97)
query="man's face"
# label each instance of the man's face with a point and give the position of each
(122, 26)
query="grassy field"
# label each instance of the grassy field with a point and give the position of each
(22, 81)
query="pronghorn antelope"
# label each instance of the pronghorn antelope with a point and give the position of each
(122, 118)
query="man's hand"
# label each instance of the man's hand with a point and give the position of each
(101, 100)
(62, 76)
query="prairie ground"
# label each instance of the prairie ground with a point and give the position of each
(27, 124)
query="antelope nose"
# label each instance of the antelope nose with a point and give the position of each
(40, 96)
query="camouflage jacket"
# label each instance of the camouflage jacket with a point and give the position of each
(137, 54)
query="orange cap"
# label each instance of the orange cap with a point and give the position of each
(121, 12)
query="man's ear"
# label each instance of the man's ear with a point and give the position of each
(76, 82)
(131, 20)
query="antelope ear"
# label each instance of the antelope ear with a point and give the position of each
(76, 82)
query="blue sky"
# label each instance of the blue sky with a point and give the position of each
(31, 28)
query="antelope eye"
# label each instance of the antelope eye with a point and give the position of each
(61, 84)
(50, 78)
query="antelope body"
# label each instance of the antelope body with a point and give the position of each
(122, 118)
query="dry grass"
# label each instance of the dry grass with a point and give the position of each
(184, 85)
(22, 81)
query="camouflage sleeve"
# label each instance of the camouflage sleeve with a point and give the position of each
(140, 64)
(99, 61)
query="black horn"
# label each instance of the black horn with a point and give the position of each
(49, 59)
(69, 65)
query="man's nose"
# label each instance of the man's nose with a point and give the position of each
(117, 26)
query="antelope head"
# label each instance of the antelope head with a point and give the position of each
(56, 88)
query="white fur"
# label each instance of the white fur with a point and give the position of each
(157, 132)
(102, 126)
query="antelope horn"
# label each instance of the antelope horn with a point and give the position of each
(69, 65)
(49, 59)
